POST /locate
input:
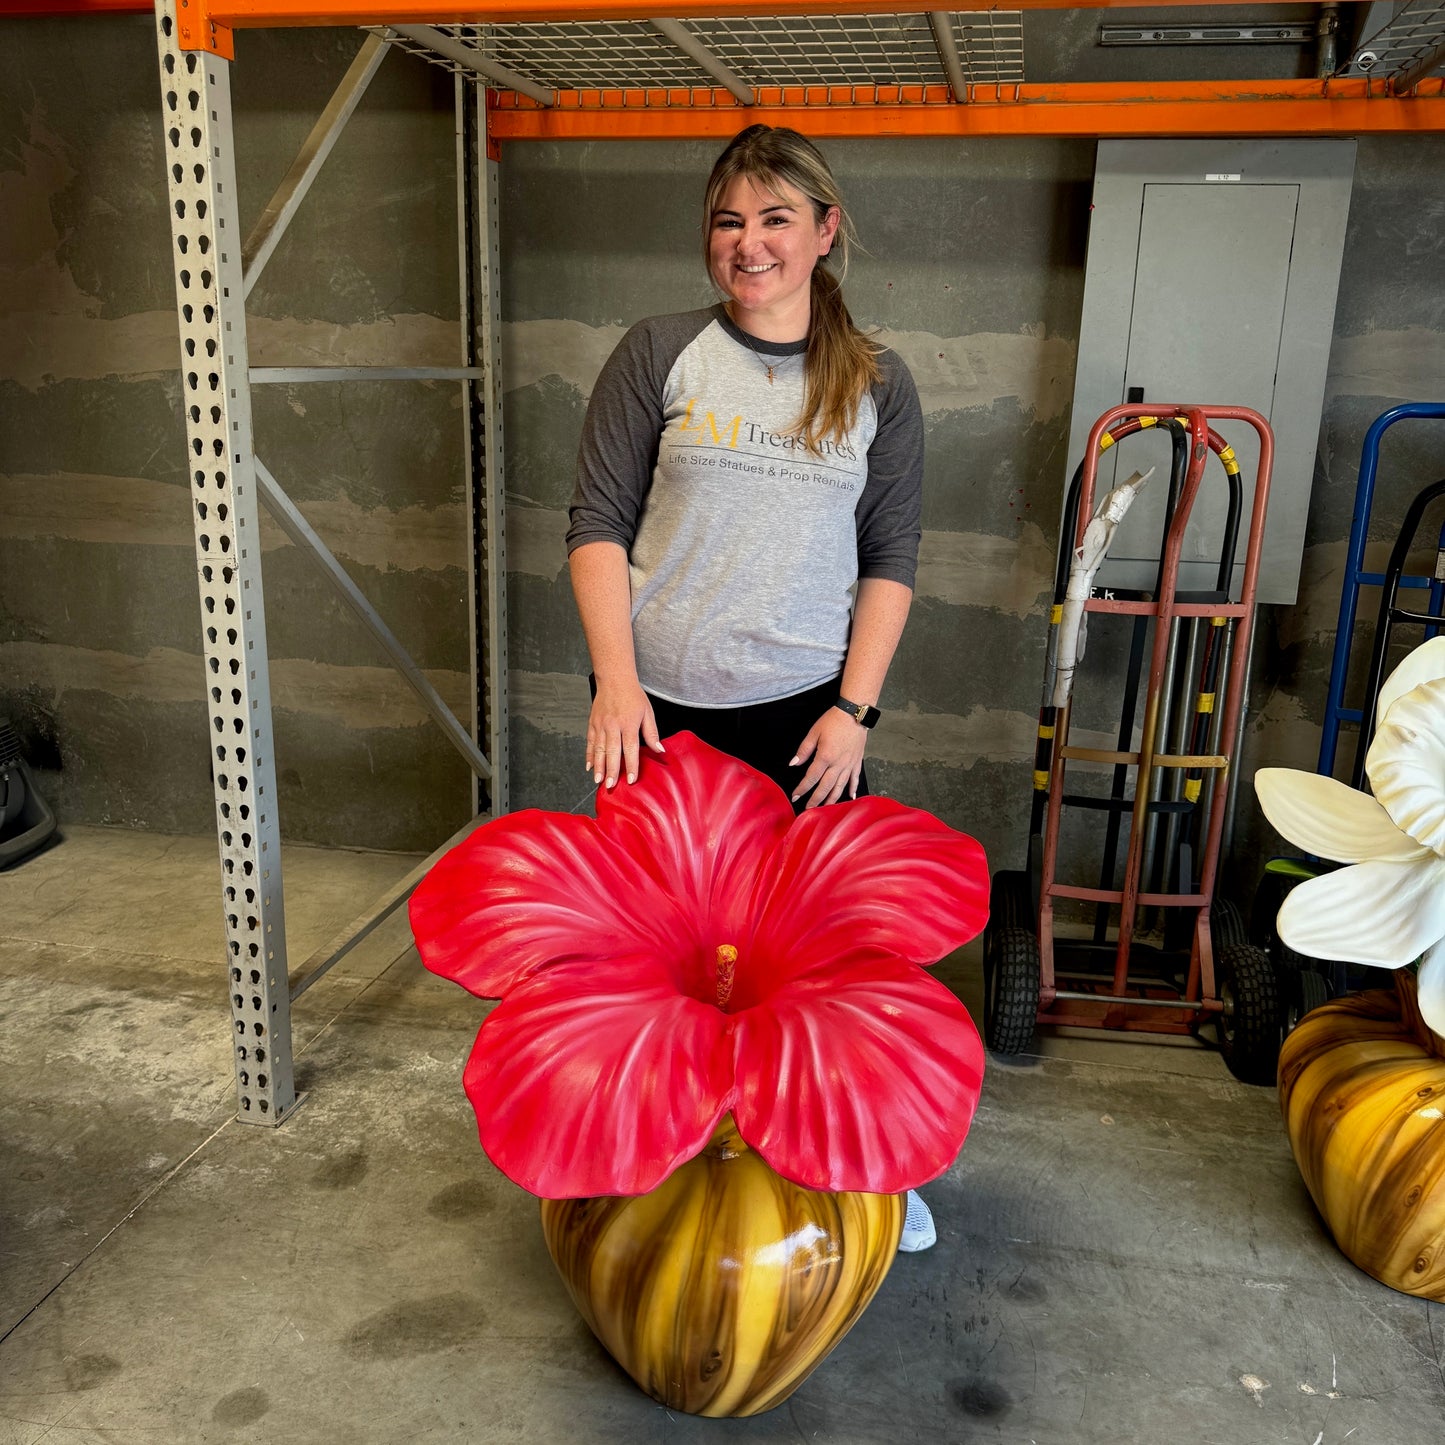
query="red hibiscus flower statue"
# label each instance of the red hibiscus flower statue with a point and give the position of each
(698, 951)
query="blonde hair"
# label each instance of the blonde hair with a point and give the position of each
(841, 362)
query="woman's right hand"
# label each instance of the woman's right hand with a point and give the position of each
(621, 719)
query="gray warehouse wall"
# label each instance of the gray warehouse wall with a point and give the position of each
(974, 272)
(99, 621)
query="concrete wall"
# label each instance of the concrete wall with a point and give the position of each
(974, 272)
(99, 622)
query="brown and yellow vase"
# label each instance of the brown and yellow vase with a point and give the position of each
(723, 1289)
(1362, 1085)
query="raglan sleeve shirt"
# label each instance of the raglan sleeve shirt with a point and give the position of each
(743, 546)
(890, 512)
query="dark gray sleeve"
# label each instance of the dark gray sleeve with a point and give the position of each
(890, 513)
(622, 429)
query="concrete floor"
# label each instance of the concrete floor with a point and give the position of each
(1126, 1252)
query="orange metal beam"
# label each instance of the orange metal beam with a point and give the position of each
(29, 8)
(1183, 108)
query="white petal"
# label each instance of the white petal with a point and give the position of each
(1386, 914)
(1431, 988)
(1406, 763)
(1425, 664)
(1327, 818)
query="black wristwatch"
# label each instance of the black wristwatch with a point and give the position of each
(860, 712)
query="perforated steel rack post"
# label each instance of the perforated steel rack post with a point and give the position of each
(206, 258)
(479, 262)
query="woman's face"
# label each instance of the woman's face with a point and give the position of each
(764, 241)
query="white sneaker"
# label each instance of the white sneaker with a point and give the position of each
(918, 1230)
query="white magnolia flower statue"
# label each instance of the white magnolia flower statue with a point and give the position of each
(1388, 907)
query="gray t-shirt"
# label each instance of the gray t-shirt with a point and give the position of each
(744, 546)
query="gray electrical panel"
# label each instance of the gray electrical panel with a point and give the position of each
(1213, 268)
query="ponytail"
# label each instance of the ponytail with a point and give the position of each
(841, 364)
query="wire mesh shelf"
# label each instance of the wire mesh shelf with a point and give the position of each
(1411, 45)
(761, 51)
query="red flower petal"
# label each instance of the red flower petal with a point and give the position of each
(593, 1079)
(867, 1079)
(869, 875)
(531, 889)
(702, 824)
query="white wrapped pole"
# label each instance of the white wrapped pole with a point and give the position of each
(1088, 558)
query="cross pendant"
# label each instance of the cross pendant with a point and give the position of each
(770, 376)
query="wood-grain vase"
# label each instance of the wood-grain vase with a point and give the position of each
(724, 1288)
(1362, 1085)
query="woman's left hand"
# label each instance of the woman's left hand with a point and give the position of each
(835, 745)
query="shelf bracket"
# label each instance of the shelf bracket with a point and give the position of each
(676, 32)
(266, 234)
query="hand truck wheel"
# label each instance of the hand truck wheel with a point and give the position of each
(1249, 1025)
(1304, 989)
(1010, 967)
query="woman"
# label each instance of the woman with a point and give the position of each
(744, 532)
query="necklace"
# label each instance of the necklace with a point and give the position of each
(767, 366)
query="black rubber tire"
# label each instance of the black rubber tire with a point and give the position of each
(1226, 924)
(1249, 1028)
(1305, 989)
(1010, 967)
(1011, 901)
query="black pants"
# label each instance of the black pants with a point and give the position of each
(765, 735)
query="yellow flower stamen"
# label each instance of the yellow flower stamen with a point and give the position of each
(727, 963)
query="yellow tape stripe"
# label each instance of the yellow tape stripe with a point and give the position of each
(1056, 614)
(1218, 621)
(1105, 442)
(1205, 703)
(1191, 790)
(1046, 730)
(1041, 781)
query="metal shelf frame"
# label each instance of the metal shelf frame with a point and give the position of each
(214, 270)
(652, 95)
(583, 69)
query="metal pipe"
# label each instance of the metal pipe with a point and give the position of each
(680, 36)
(1155, 784)
(1327, 28)
(1418, 69)
(941, 23)
(490, 545)
(1126, 998)
(469, 100)
(1231, 797)
(335, 949)
(455, 50)
(284, 510)
(288, 375)
(266, 234)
